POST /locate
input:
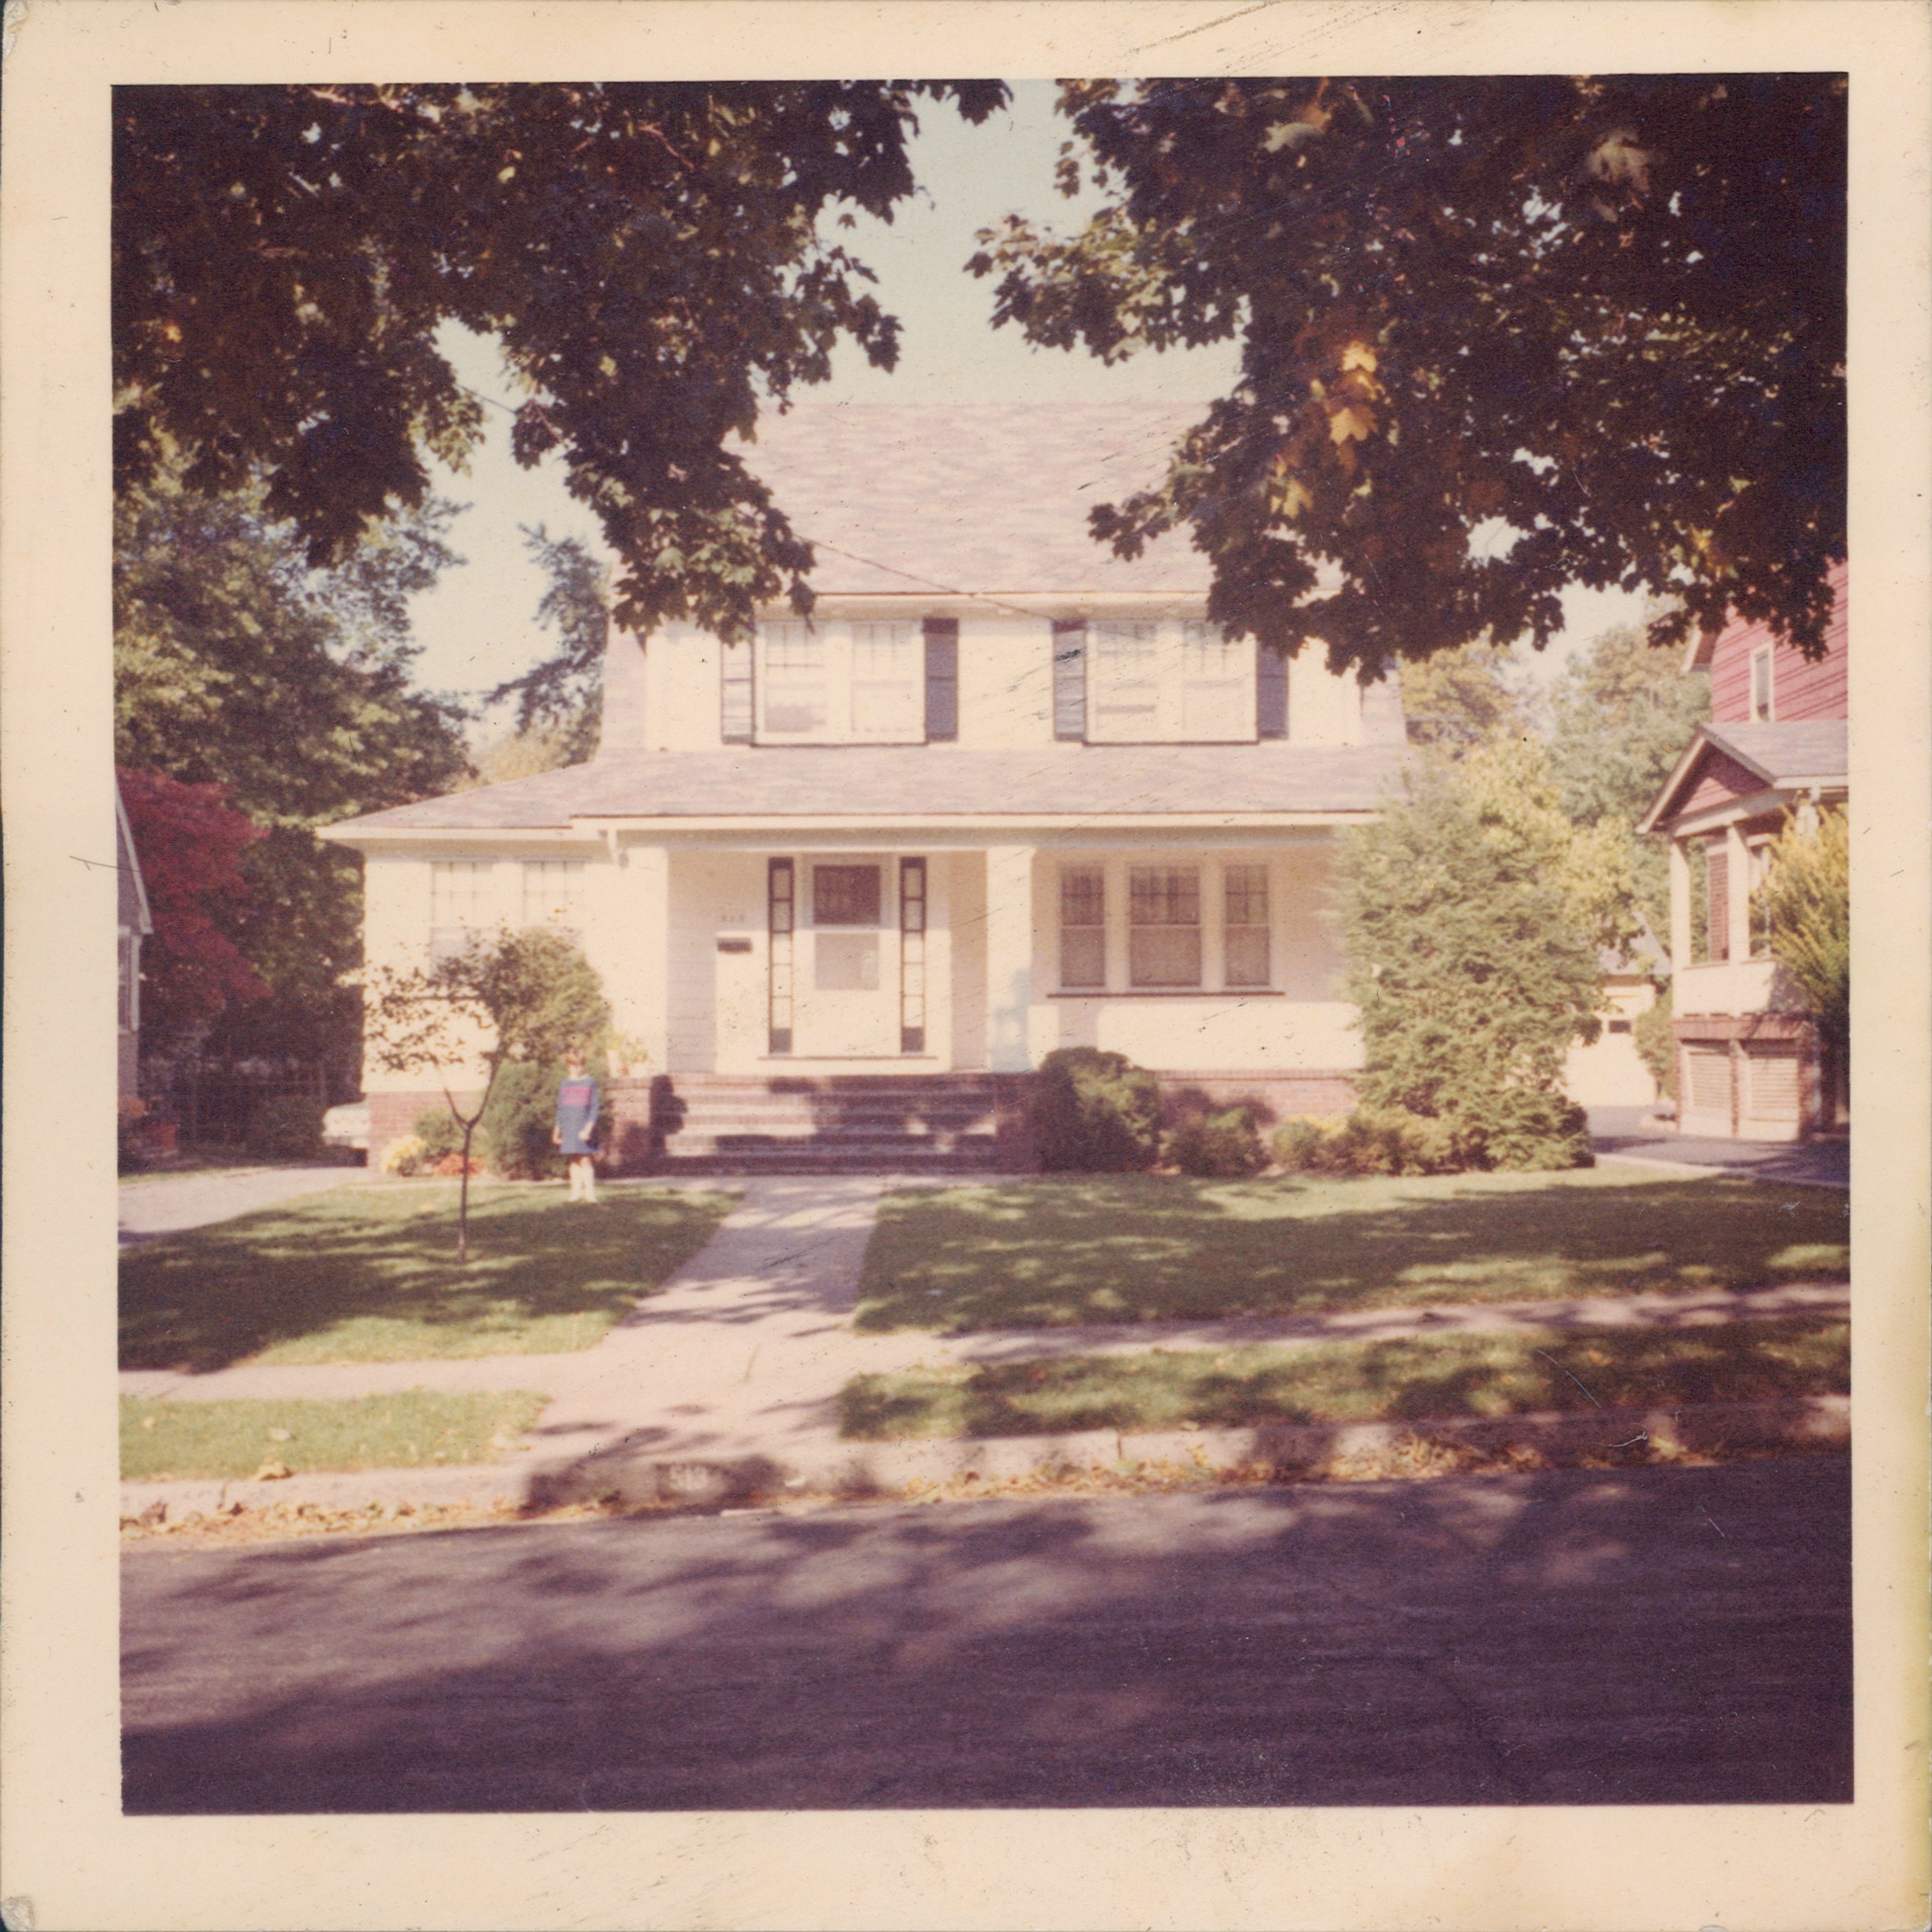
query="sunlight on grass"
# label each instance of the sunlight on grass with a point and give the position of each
(171, 1442)
(1156, 1247)
(1411, 1379)
(370, 1274)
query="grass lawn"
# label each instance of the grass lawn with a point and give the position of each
(1156, 1247)
(1406, 1380)
(163, 1441)
(369, 1274)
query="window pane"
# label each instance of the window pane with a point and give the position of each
(458, 888)
(1247, 894)
(552, 891)
(1247, 956)
(1125, 678)
(1165, 895)
(845, 895)
(1215, 672)
(1082, 896)
(1083, 956)
(846, 962)
(1164, 955)
(888, 680)
(792, 692)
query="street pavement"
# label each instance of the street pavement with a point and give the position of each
(1633, 1133)
(1662, 1636)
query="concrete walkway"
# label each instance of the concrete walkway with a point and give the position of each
(737, 1364)
(169, 1204)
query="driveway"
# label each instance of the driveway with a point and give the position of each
(1657, 1636)
(1631, 1131)
(167, 1204)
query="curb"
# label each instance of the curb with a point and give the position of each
(836, 1467)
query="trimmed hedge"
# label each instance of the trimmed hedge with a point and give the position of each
(1222, 1146)
(285, 1127)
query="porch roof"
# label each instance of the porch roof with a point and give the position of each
(801, 783)
(1809, 751)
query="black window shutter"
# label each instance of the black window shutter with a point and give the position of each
(1070, 678)
(942, 677)
(736, 712)
(1271, 692)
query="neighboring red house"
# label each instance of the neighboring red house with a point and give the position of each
(1748, 1063)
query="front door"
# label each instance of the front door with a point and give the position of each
(848, 957)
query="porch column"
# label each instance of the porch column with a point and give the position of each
(1009, 956)
(642, 999)
(1680, 906)
(1737, 874)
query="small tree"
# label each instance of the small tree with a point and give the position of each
(1472, 937)
(1806, 904)
(516, 996)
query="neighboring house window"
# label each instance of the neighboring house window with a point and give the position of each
(459, 896)
(859, 683)
(554, 895)
(1164, 925)
(1150, 683)
(1244, 889)
(1717, 903)
(1760, 687)
(1083, 926)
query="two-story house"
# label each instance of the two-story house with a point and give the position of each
(1003, 793)
(1748, 1064)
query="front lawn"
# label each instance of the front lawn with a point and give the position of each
(370, 1274)
(173, 1442)
(1156, 1247)
(1397, 1381)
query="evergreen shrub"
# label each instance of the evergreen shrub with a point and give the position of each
(1095, 1113)
(1220, 1146)
(285, 1127)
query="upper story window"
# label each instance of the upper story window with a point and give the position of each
(835, 683)
(1164, 682)
(1761, 687)
(462, 899)
(554, 895)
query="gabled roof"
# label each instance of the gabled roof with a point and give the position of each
(892, 783)
(985, 497)
(1811, 751)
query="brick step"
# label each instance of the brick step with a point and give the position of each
(886, 1119)
(741, 1142)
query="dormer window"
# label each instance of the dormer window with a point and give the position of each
(1760, 686)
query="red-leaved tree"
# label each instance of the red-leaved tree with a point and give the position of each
(189, 841)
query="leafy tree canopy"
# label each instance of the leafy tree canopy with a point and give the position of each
(557, 701)
(1497, 335)
(1464, 697)
(648, 258)
(236, 666)
(190, 844)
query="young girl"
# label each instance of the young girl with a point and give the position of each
(577, 1101)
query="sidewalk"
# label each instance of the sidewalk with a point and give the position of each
(727, 1381)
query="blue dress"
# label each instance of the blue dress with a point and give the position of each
(578, 1101)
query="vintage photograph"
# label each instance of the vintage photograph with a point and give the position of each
(983, 945)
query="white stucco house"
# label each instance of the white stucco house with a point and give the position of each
(1004, 792)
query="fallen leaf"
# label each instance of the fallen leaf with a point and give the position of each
(272, 1471)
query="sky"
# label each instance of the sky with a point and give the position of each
(478, 627)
